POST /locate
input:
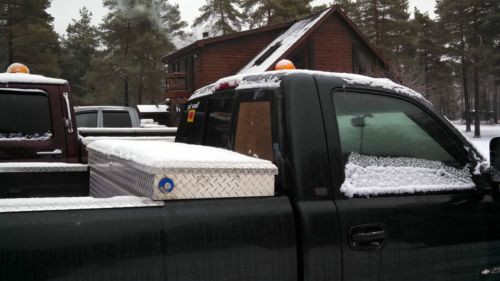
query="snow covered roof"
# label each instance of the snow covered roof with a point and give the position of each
(276, 49)
(272, 79)
(29, 78)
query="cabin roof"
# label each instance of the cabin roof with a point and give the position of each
(295, 32)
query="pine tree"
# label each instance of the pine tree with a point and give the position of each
(222, 16)
(384, 23)
(135, 34)
(79, 46)
(28, 35)
(266, 12)
(350, 8)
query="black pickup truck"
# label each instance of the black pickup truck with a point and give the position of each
(372, 185)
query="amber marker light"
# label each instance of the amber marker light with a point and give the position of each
(284, 65)
(18, 68)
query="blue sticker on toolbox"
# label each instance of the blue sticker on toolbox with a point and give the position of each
(166, 185)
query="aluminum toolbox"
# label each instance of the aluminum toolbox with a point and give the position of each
(164, 171)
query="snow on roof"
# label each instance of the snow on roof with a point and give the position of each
(276, 49)
(241, 81)
(371, 175)
(41, 167)
(166, 155)
(152, 108)
(74, 203)
(272, 79)
(29, 78)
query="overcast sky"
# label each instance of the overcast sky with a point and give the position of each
(65, 10)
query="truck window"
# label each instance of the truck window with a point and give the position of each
(389, 127)
(24, 115)
(86, 119)
(218, 122)
(391, 146)
(253, 130)
(116, 119)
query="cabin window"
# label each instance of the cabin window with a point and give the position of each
(25, 115)
(116, 119)
(253, 130)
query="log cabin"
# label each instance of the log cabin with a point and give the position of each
(327, 41)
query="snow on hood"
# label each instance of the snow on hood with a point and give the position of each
(29, 78)
(371, 175)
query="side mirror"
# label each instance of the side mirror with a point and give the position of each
(495, 159)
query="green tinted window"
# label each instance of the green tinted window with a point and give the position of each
(389, 127)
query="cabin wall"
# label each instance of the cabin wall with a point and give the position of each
(333, 46)
(338, 48)
(228, 57)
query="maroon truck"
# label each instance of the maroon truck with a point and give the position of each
(38, 126)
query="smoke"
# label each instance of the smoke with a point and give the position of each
(142, 9)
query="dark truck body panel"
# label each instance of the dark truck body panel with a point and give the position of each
(220, 239)
(44, 184)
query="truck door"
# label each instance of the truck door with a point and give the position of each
(407, 204)
(28, 131)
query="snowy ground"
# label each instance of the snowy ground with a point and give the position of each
(487, 133)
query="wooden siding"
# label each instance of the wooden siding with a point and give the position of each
(228, 57)
(333, 45)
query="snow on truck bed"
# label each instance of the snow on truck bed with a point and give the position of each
(41, 167)
(161, 155)
(73, 203)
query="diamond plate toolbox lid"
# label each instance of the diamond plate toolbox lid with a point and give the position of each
(164, 171)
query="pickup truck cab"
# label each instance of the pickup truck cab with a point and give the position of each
(372, 185)
(106, 117)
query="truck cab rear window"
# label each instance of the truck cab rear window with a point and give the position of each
(24, 116)
(86, 119)
(218, 122)
(116, 119)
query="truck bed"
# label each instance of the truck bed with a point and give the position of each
(218, 239)
(32, 179)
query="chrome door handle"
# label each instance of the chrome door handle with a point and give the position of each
(55, 152)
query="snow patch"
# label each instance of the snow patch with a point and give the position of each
(371, 175)
(152, 108)
(272, 79)
(282, 44)
(41, 167)
(165, 155)
(88, 140)
(73, 203)
(25, 137)
(241, 82)
(29, 78)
